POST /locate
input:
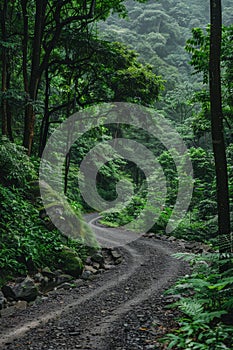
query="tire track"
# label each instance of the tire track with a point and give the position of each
(19, 331)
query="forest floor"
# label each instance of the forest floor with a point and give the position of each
(123, 308)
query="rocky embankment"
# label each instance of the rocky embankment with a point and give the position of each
(24, 291)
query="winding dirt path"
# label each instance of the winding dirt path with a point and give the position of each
(106, 313)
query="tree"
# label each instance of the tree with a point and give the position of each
(95, 71)
(50, 18)
(217, 123)
(37, 27)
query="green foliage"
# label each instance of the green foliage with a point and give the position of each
(206, 304)
(112, 73)
(16, 167)
(131, 210)
(199, 46)
(158, 31)
(25, 243)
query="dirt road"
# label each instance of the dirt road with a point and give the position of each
(114, 311)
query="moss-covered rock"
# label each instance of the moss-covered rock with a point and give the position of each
(70, 262)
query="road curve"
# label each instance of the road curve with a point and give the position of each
(94, 315)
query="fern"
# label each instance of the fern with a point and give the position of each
(207, 296)
(190, 307)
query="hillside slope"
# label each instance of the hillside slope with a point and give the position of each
(158, 31)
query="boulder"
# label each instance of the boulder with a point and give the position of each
(26, 290)
(70, 263)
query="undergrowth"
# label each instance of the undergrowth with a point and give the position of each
(206, 305)
(26, 242)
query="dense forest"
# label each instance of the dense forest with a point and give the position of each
(162, 57)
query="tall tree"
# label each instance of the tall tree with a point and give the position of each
(50, 18)
(5, 61)
(44, 21)
(217, 124)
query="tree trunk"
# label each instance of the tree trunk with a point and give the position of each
(25, 45)
(44, 128)
(8, 107)
(35, 76)
(217, 126)
(4, 104)
(4, 101)
(29, 123)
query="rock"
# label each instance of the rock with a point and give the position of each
(2, 301)
(19, 279)
(172, 298)
(149, 347)
(171, 239)
(182, 244)
(45, 281)
(108, 267)
(116, 254)
(38, 277)
(71, 262)
(190, 245)
(21, 305)
(91, 269)
(26, 290)
(78, 283)
(38, 300)
(150, 235)
(66, 286)
(48, 273)
(204, 248)
(98, 257)
(96, 265)
(118, 261)
(163, 238)
(86, 275)
(63, 279)
(88, 260)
